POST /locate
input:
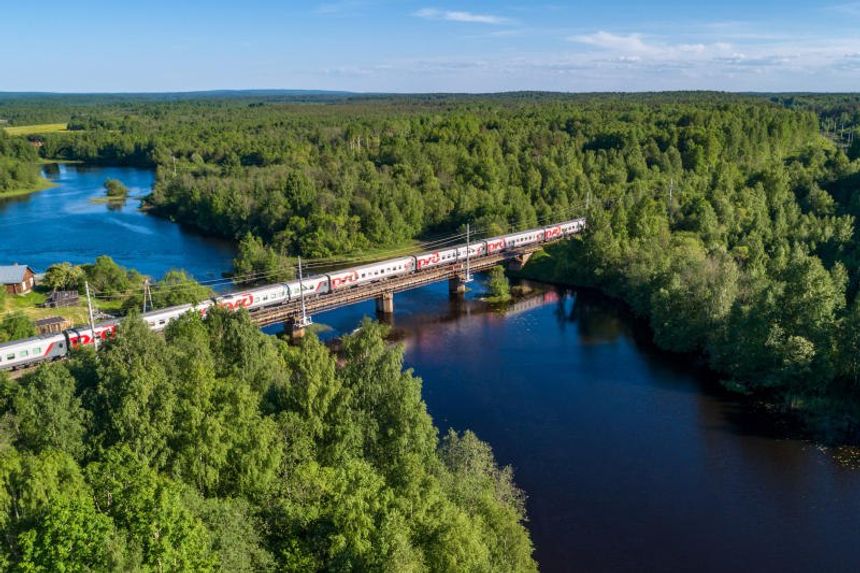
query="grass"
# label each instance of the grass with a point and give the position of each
(48, 161)
(36, 129)
(40, 185)
(30, 303)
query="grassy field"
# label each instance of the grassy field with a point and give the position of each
(30, 303)
(36, 129)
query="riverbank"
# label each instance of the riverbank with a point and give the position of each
(41, 185)
(829, 419)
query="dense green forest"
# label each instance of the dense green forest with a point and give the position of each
(219, 448)
(728, 221)
(18, 168)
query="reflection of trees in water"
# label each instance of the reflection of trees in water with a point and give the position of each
(51, 169)
(598, 321)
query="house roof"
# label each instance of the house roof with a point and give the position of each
(11, 274)
(50, 320)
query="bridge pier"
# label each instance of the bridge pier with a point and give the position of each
(295, 328)
(385, 303)
(518, 262)
(456, 286)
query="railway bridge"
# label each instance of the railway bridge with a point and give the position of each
(296, 313)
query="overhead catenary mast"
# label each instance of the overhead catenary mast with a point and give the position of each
(92, 318)
(468, 278)
(305, 320)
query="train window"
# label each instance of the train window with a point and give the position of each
(37, 350)
(62, 345)
(23, 353)
(362, 275)
(162, 321)
(10, 357)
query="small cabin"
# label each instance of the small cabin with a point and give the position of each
(61, 298)
(53, 325)
(17, 279)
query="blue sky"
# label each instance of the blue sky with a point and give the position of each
(422, 46)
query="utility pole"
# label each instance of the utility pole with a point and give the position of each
(147, 294)
(468, 278)
(671, 187)
(588, 200)
(305, 320)
(92, 319)
(174, 164)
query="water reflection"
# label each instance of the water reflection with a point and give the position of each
(633, 459)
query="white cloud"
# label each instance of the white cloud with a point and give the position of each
(460, 16)
(627, 43)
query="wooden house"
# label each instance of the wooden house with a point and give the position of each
(17, 279)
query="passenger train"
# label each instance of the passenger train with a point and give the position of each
(21, 353)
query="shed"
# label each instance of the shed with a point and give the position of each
(18, 279)
(60, 298)
(53, 325)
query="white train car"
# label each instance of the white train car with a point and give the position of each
(254, 298)
(572, 227)
(525, 238)
(370, 273)
(82, 336)
(313, 286)
(435, 258)
(20, 353)
(159, 319)
(476, 250)
(495, 244)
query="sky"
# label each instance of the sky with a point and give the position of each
(423, 46)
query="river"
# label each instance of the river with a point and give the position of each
(65, 224)
(632, 459)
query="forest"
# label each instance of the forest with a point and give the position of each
(18, 168)
(726, 221)
(219, 448)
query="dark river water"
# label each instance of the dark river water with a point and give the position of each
(64, 224)
(632, 459)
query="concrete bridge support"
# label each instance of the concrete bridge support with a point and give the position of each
(385, 303)
(518, 262)
(295, 328)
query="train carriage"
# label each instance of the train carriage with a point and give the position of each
(370, 273)
(159, 319)
(475, 250)
(313, 286)
(19, 353)
(82, 336)
(525, 238)
(435, 258)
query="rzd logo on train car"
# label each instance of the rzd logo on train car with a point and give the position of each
(494, 246)
(84, 338)
(427, 261)
(552, 233)
(245, 301)
(340, 281)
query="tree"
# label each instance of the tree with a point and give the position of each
(49, 414)
(64, 276)
(498, 288)
(134, 401)
(257, 262)
(107, 277)
(115, 189)
(69, 534)
(15, 326)
(152, 510)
